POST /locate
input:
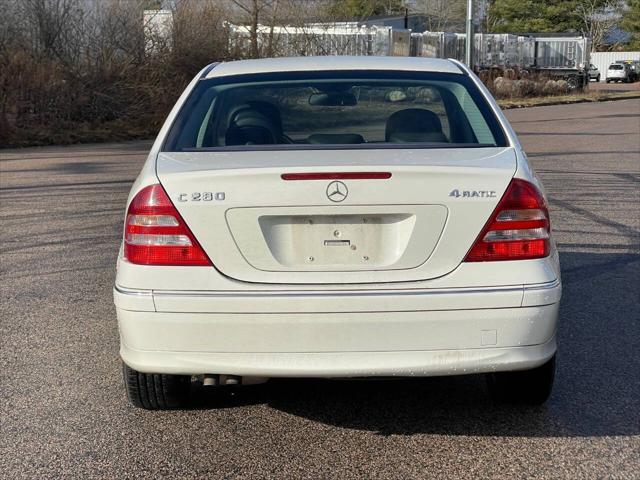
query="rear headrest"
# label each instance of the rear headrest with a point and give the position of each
(335, 138)
(414, 125)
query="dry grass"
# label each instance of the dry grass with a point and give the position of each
(565, 99)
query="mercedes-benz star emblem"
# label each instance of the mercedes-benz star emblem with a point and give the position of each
(337, 191)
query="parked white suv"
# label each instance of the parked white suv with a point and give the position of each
(336, 217)
(618, 72)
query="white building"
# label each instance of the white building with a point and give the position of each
(158, 25)
(602, 60)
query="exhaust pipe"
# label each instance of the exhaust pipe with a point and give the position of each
(214, 380)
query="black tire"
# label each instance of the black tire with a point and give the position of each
(608, 81)
(156, 391)
(524, 387)
(598, 79)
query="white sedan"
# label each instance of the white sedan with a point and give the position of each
(336, 217)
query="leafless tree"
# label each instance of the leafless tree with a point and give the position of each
(599, 18)
(199, 34)
(441, 14)
(254, 11)
(55, 27)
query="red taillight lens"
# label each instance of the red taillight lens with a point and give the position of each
(518, 228)
(155, 233)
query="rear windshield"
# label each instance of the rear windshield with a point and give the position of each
(616, 67)
(315, 110)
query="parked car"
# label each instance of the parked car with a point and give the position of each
(619, 72)
(594, 73)
(633, 69)
(336, 217)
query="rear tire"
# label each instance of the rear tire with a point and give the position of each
(573, 83)
(598, 79)
(155, 391)
(524, 387)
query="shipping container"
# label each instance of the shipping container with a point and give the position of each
(400, 43)
(562, 57)
(562, 52)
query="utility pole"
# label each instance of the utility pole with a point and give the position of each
(468, 52)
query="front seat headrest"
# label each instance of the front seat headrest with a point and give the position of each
(270, 111)
(414, 125)
(250, 127)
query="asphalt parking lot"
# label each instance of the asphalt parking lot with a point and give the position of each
(64, 412)
(603, 86)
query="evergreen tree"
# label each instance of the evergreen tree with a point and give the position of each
(365, 8)
(631, 22)
(509, 16)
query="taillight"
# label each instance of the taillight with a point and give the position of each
(155, 233)
(518, 228)
(337, 176)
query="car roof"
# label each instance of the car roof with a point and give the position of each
(333, 63)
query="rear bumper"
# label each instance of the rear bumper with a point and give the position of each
(343, 364)
(346, 334)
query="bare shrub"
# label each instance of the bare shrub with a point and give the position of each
(524, 88)
(562, 87)
(523, 85)
(503, 87)
(70, 73)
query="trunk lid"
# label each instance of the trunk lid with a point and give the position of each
(416, 225)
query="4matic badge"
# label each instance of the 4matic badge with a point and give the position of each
(473, 193)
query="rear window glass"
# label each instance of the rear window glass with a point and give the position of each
(332, 110)
(616, 67)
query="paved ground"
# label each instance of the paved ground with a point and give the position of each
(614, 87)
(63, 408)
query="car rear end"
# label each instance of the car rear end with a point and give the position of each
(617, 72)
(335, 218)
